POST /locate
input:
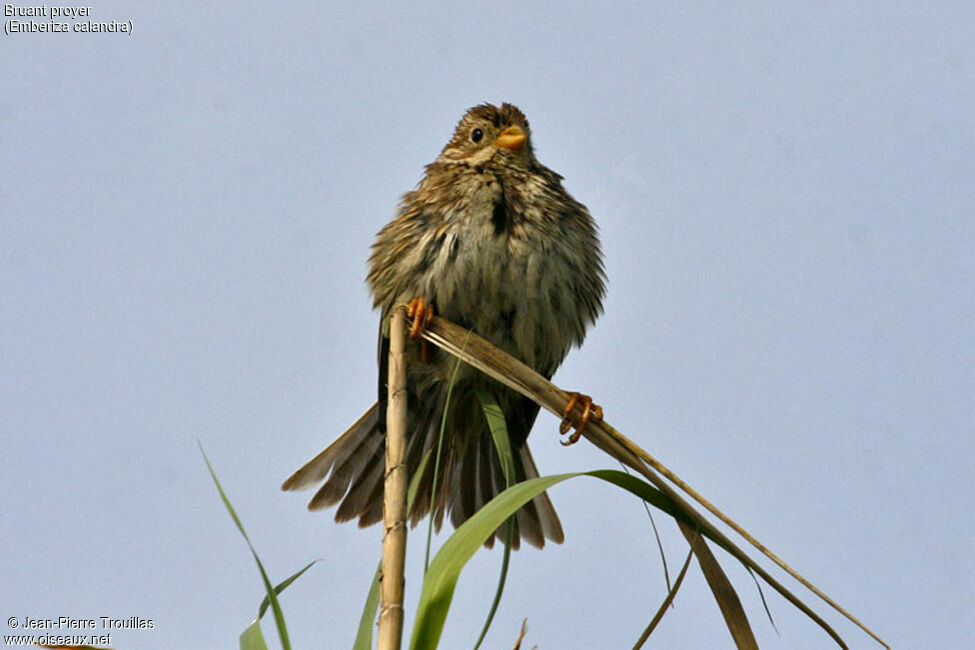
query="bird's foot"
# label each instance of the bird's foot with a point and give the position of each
(421, 312)
(590, 412)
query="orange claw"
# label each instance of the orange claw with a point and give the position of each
(590, 411)
(421, 312)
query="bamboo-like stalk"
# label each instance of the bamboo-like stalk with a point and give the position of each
(519, 377)
(394, 491)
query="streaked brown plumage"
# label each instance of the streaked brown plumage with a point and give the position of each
(492, 239)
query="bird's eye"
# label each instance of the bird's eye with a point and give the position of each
(476, 135)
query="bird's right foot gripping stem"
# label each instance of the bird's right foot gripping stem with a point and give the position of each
(421, 312)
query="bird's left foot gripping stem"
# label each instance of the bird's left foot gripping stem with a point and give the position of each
(421, 312)
(590, 412)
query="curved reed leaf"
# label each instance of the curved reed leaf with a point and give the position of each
(441, 577)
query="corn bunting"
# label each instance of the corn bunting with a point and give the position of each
(493, 242)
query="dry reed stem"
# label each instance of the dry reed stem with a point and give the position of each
(509, 371)
(394, 492)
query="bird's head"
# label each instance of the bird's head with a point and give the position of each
(487, 131)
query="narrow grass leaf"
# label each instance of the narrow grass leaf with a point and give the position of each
(656, 535)
(502, 442)
(252, 638)
(761, 594)
(671, 593)
(363, 637)
(281, 587)
(499, 431)
(275, 606)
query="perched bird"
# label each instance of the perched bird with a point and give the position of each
(491, 241)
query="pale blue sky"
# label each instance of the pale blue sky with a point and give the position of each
(785, 197)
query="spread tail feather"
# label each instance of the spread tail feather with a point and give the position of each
(342, 457)
(470, 476)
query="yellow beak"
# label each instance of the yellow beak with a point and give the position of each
(511, 138)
